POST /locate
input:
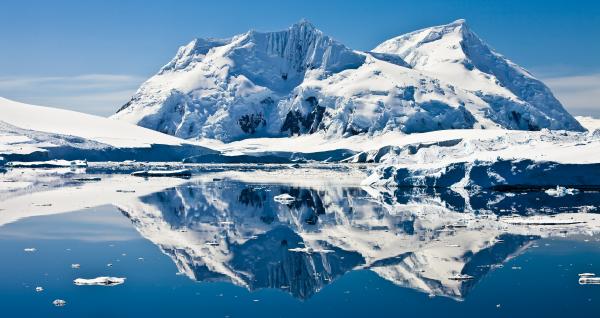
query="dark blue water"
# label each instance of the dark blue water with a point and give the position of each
(258, 276)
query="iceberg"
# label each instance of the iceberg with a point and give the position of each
(185, 173)
(100, 281)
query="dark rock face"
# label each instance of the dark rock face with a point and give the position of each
(250, 123)
(297, 124)
(125, 106)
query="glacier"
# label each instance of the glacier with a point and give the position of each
(301, 81)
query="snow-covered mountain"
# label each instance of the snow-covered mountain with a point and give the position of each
(300, 81)
(455, 54)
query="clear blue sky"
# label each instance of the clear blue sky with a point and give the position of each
(90, 55)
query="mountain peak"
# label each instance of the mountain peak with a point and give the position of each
(458, 22)
(303, 23)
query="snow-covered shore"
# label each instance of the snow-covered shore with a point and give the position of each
(541, 159)
(32, 133)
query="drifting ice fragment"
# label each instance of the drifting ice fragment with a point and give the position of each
(163, 173)
(589, 280)
(39, 289)
(100, 281)
(461, 277)
(587, 275)
(284, 198)
(75, 266)
(59, 302)
(30, 249)
(561, 192)
(48, 164)
(538, 220)
(309, 250)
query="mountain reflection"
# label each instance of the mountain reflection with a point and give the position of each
(237, 232)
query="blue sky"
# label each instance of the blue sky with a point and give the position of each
(92, 55)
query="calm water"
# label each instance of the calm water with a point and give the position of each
(228, 249)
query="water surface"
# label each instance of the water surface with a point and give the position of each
(227, 248)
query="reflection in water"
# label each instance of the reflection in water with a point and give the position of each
(236, 232)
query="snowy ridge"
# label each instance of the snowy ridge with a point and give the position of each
(29, 132)
(455, 54)
(300, 81)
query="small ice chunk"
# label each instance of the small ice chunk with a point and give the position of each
(561, 192)
(59, 302)
(100, 281)
(30, 249)
(109, 264)
(284, 198)
(75, 266)
(589, 280)
(39, 289)
(309, 250)
(461, 277)
(163, 173)
(587, 275)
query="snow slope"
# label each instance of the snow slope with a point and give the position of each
(65, 122)
(300, 81)
(38, 132)
(590, 123)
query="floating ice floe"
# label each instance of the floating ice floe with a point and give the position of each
(461, 277)
(163, 173)
(75, 266)
(561, 192)
(39, 289)
(309, 250)
(589, 280)
(100, 281)
(48, 164)
(59, 302)
(30, 249)
(539, 220)
(284, 198)
(587, 275)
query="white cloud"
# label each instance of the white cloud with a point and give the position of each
(580, 94)
(100, 94)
